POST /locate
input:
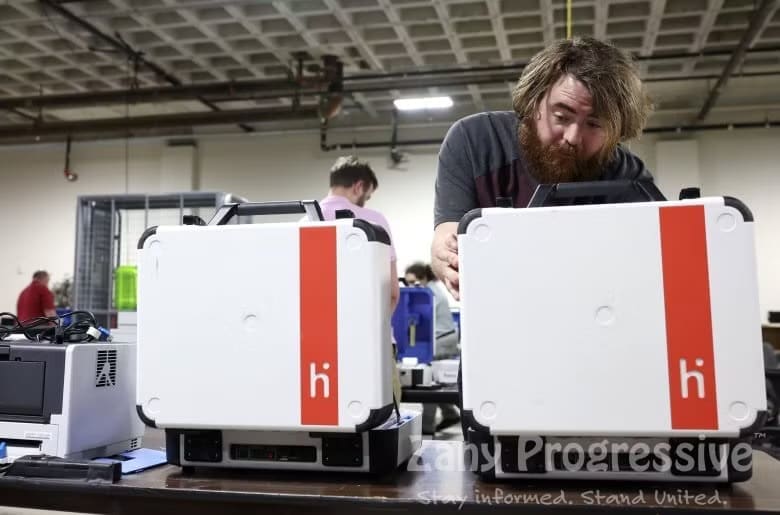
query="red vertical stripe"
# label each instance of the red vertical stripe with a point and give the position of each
(690, 353)
(319, 334)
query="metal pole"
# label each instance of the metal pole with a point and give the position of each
(110, 275)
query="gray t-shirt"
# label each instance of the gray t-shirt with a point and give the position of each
(481, 159)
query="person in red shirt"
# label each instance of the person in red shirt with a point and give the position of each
(36, 300)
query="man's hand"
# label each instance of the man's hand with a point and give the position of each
(444, 256)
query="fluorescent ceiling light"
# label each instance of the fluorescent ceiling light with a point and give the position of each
(414, 104)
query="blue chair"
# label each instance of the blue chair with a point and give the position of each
(456, 318)
(413, 324)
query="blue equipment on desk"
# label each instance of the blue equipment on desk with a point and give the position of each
(413, 322)
(456, 317)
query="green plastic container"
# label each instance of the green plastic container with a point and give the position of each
(125, 288)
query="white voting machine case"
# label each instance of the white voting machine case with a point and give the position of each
(248, 331)
(631, 322)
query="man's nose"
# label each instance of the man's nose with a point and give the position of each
(573, 135)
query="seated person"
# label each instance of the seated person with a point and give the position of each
(446, 346)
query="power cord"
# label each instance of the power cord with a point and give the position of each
(82, 327)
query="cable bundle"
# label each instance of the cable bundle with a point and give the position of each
(82, 328)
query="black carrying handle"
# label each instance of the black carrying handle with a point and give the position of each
(573, 190)
(225, 213)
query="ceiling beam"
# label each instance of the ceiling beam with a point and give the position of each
(758, 21)
(548, 21)
(707, 22)
(311, 41)
(457, 49)
(365, 51)
(651, 31)
(111, 41)
(124, 48)
(497, 23)
(403, 35)
(600, 22)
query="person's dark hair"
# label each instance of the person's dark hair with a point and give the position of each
(421, 271)
(40, 274)
(611, 76)
(348, 170)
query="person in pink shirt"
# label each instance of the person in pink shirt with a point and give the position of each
(352, 182)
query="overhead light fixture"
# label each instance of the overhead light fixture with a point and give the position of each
(416, 104)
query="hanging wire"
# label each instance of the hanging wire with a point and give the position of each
(132, 84)
(127, 134)
(568, 19)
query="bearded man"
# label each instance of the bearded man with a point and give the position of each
(575, 102)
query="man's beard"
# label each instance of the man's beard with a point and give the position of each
(361, 200)
(551, 164)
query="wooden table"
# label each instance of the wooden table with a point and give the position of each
(166, 490)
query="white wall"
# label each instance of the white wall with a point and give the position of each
(677, 166)
(37, 206)
(746, 165)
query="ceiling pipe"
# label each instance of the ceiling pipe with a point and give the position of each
(671, 129)
(520, 65)
(275, 89)
(85, 134)
(183, 120)
(421, 83)
(757, 22)
(22, 114)
(315, 86)
(328, 147)
(155, 94)
(767, 124)
(418, 83)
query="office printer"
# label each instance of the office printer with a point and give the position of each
(69, 400)
(267, 345)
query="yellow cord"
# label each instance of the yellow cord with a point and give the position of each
(568, 19)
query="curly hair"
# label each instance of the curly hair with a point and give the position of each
(619, 98)
(347, 170)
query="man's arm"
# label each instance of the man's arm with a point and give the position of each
(455, 195)
(455, 192)
(47, 303)
(395, 290)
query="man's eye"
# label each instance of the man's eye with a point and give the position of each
(559, 117)
(594, 125)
